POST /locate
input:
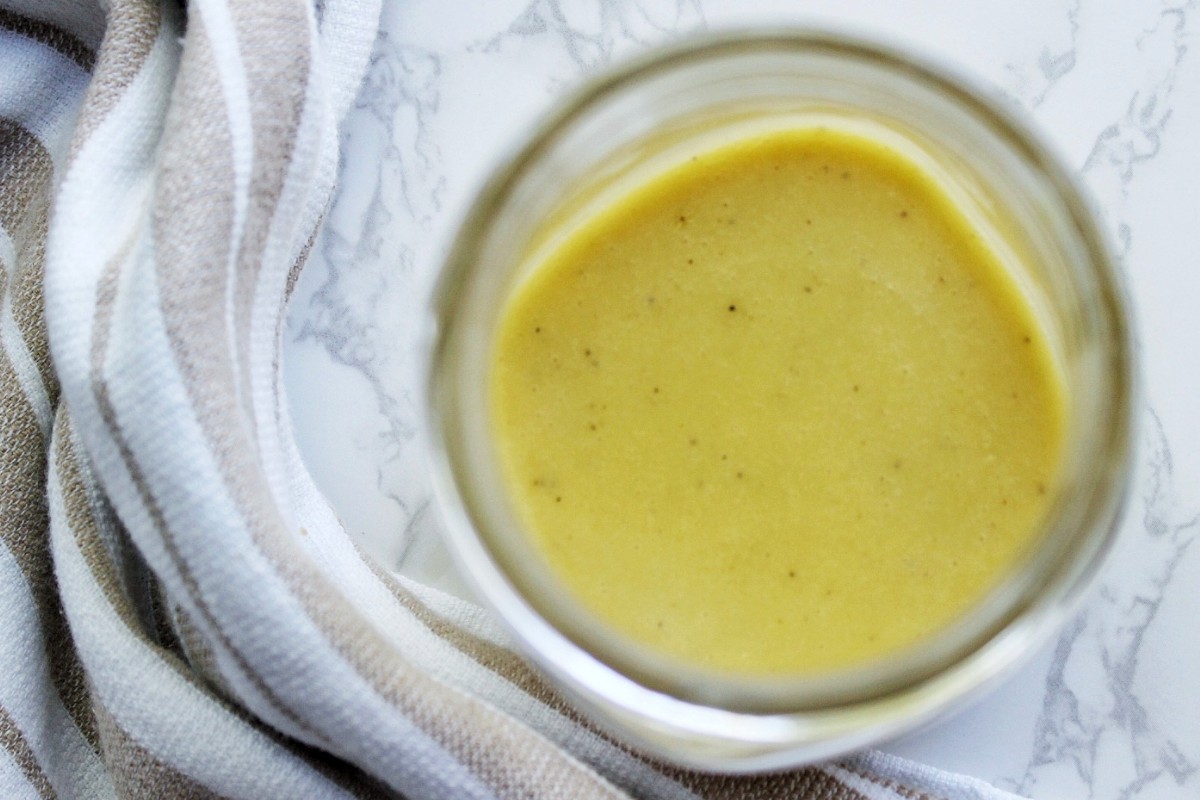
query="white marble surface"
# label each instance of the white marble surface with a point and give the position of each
(1109, 710)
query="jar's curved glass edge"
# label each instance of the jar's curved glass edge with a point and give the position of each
(1126, 383)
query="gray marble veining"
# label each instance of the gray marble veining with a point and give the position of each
(1092, 720)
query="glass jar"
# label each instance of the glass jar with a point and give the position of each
(627, 124)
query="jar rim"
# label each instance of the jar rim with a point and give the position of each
(819, 712)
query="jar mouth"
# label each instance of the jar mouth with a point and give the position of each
(624, 684)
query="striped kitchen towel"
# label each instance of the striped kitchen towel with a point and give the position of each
(183, 615)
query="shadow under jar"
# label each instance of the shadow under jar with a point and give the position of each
(623, 149)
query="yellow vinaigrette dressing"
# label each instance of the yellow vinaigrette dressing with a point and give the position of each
(778, 409)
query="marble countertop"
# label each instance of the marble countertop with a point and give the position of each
(1111, 708)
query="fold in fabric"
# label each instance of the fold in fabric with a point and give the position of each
(184, 616)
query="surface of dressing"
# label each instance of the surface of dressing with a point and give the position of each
(777, 410)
